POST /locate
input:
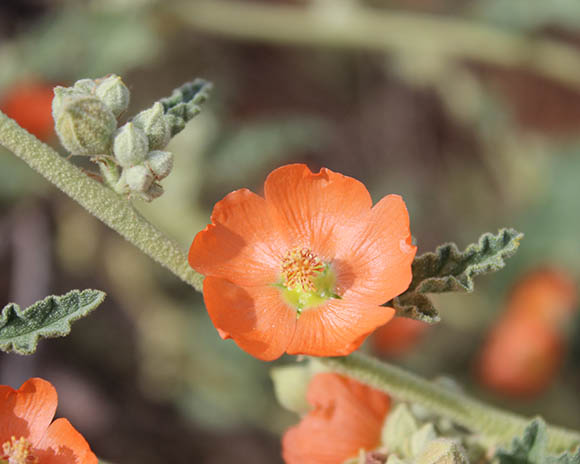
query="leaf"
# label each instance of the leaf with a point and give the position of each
(185, 103)
(451, 270)
(531, 448)
(51, 317)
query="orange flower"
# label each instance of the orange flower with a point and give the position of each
(305, 269)
(26, 433)
(520, 358)
(546, 295)
(525, 350)
(398, 336)
(347, 416)
(30, 104)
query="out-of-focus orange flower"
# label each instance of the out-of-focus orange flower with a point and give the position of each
(546, 295)
(30, 104)
(27, 435)
(305, 269)
(398, 336)
(524, 351)
(521, 357)
(347, 416)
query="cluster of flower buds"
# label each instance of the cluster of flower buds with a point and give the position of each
(85, 118)
(138, 149)
(85, 114)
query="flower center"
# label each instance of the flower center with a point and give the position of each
(17, 452)
(306, 281)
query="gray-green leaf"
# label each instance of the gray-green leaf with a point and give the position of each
(52, 317)
(531, 448)
(451, 270)
(185, 103)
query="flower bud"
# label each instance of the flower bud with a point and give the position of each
(113, 93)
(84, 125)
(291, 386)
(130, 145)
(398, 429)
(155, 125)
(61, 96)
(138, 178)
(85, 86)
(160, 163)
(443, 451)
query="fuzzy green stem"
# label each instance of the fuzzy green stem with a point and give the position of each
(111, 208)
(362, 27)
(497, 426)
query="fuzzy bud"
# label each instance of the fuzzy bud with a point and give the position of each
(442, 451)
(160, 163)
(85, 86)
(113, 93)
(155, 125)
(130, 145)
(63, 95)
(291, 386)
(84, 125)
(138, 178)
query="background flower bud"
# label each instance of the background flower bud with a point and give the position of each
(442, 451)
(155, 125)
(84, 125)
(160, 163)
(138, 178)
(114, 93)
(130, 145)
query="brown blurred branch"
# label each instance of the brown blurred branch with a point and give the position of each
(392, 31)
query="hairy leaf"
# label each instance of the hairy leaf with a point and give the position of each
(52, 317)
(185, 103)
(531, 447)
(450, 270)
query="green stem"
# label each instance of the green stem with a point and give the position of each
(111, 208)
(498, 426)
(362, 27)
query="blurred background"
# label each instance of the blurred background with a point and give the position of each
(470, 110)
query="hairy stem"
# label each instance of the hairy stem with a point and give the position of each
(111, 208)
(392, 31)
(497, 426)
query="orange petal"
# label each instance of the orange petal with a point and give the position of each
(255, 317)
(26, 412)
(337, 328)
(376, 263)
(241, 244)
(62, 444)
(315, 210)
(347, 416)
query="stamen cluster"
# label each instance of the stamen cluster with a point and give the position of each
(17, 451)
(299, 269)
